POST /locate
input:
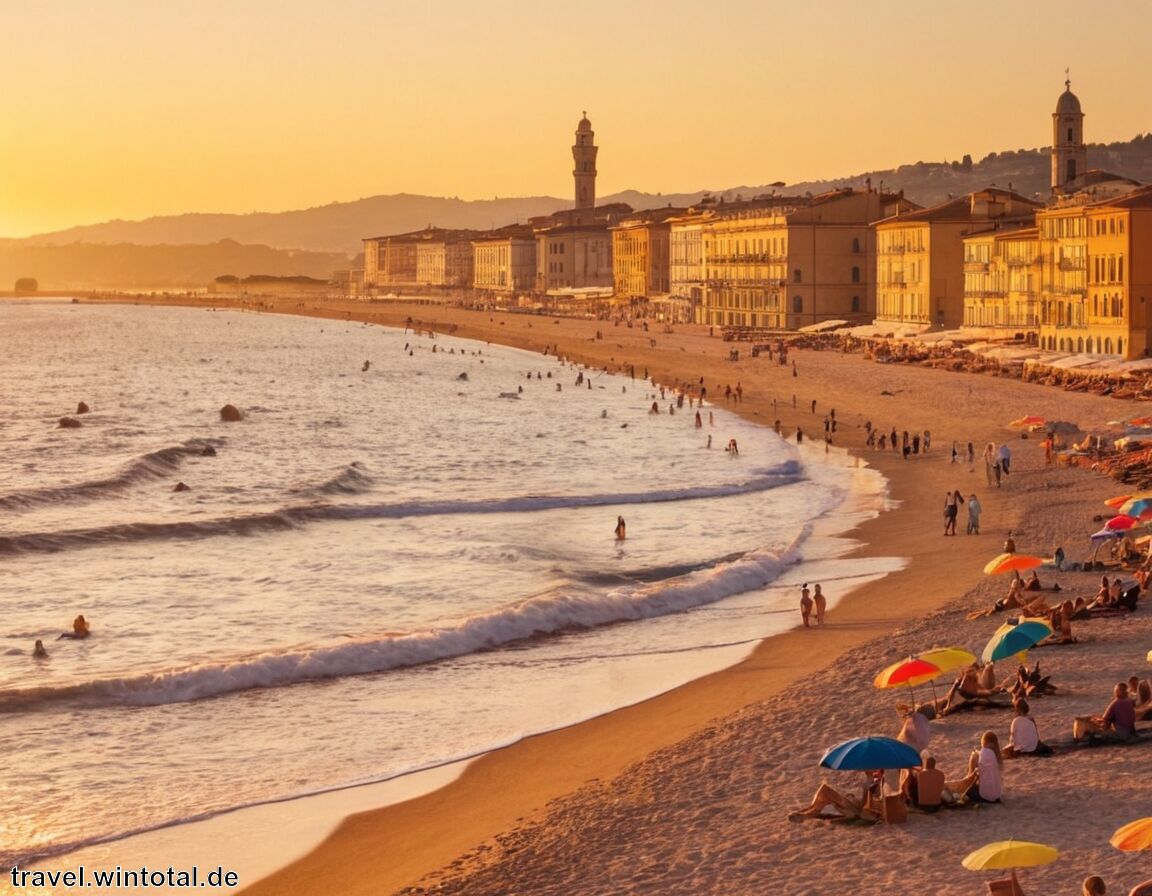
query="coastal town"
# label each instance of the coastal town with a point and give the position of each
(1066, 273)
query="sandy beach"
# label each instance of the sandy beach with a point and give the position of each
(690, 792)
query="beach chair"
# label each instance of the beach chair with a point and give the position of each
(1005, 886)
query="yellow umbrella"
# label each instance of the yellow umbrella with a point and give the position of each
(1003, 563)
(1009, 854)
(1134, 836)
(948, 659)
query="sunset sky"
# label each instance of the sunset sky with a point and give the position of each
(133, 108)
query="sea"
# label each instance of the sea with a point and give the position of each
(403, 554)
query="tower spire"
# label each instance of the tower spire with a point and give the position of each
(584, 158)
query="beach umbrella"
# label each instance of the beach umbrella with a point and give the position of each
(948, 659)
(1010, 854)
(1119, 501)
(1009, 640)
(1134, 836)
(1120, 523)
(1140, 421)
(862, 754)
(1003, 563)
(911, 671)
(1106, 533)
(1029, 420)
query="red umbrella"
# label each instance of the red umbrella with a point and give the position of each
(1120, 523)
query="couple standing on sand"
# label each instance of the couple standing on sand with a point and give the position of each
(808, 601)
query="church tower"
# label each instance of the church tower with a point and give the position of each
(1069, 154)
(584, 156)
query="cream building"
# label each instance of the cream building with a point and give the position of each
(788, 263)
(920, 256)
(640, 254)
(505, 260)
(1002, 282)
(390, 262)
(686, 261)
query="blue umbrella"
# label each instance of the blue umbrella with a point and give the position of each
(861, 754)
(1010, 640)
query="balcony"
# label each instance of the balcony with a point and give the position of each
(975, 266)
(1073, 264)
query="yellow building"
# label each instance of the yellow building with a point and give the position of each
(686, 261)
(390, 262)
(1002, 282)
(640, 257)
(920, 256)
(792, 262)
(1097, 276)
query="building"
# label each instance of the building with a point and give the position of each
(444, 259)
(1069, 152)
(1096, 281)
(920, 256)
(584, 161)
(686, 261)
(504, 261)
(390, 262)
(640, 254)
(792, 262)
(1002, 282)
(574, 248)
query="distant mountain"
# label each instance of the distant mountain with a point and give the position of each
(84, 266)
(193, 249)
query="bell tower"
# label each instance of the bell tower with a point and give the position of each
(1069, 153)
(584, 156)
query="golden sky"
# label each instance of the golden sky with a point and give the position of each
(132, 108)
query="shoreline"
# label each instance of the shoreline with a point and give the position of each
(503, 793)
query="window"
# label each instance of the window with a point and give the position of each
(1070, 139)
(796, 276)
(855, 244)
(855, 275)
(797, 304)
(1071, 170)
(855, 303)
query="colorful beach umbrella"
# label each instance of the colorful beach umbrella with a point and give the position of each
(1029, 420)
(1134, 836)
(911, 672)
(1120, 523)
(1136, 506)
(1009, 640)
(948, 659)
(863, 754)
(1119, 501)
(1010, 854)
(1003, 563)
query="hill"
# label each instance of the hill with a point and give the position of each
(125, 266)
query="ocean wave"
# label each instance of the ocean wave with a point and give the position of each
(546, 614)
(299, 515)
(153, 465)
(352, 480)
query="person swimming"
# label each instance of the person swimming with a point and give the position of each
(620, 528)
(39, 651)
(80, 629)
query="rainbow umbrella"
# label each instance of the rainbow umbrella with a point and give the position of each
(1119, 501)
(911, 671)
(1009, 639)
(1003, 563)
(1134, 836)
(1135, 506)
(1120, 523)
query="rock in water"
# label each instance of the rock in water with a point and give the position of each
(69, 423)
(82, 408)
(182, 487)
(230, 413)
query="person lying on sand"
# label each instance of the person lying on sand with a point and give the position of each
(1118, 721)
(1015, 600)
(967, 692)
(1061, 620)
(847, 805)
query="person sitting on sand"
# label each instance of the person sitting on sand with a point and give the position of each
(1009, 544)
(1143, 703)
(847, 805)
(924, 787)
(983, 783)
(1102, 597)
(1033, 583)
(39, 651)
(1024, 734)
(967, 691)
(1093, 886)
(914, 730)
(1061, 620)
(1117, 723)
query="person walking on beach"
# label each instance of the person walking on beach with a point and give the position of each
(820, 603)
(974, 509)
(989, 457)
(620, 528)
(805, 604)
(1004, 457)
(950, 510)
